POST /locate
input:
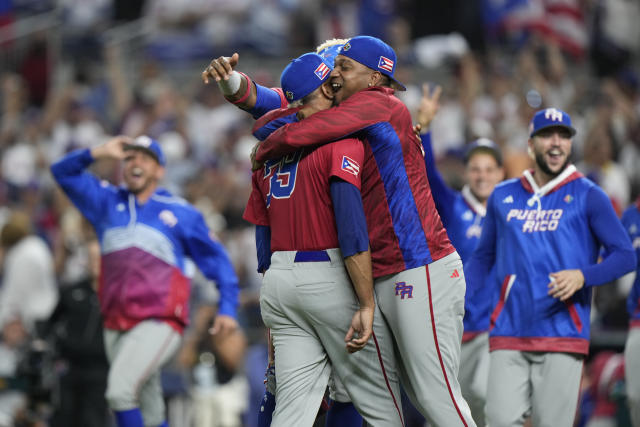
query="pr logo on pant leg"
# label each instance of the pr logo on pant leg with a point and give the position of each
(404, 290)
(455, 274)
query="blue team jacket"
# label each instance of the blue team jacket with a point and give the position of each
(530, 232)
(462, 216)
(146, 249)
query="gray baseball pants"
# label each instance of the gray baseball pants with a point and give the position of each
(545, 385)
(309, 306)
(632, 374)
(474, 375)
(424, 307)
(135, 358)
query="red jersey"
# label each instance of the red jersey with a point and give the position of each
(292, 195)
(405, 230)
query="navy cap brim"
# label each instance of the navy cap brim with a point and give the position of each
(145, 149)
(571, 130)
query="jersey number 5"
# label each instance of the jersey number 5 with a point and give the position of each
(282, 176)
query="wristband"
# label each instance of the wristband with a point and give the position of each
(247, 93)
(231, 86)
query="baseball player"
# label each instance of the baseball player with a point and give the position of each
(310, 204)
(147, 237)
(544, 231)
(419, 281)
(463, 214)
(631, 221)
(258, 100)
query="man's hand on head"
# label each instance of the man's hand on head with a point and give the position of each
(114, 148)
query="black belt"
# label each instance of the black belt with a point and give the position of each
(311, 256)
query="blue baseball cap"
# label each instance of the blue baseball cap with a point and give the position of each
(550, 117)
(373, 53)
(303, 75)
(149, 145)
(484, 145)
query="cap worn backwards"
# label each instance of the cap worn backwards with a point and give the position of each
(550, 117)
(484, 145)
(373, 53)
(303, 75)
(149, 145)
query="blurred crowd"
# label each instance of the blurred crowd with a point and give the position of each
(97, 68)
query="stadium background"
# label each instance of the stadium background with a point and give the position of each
(74, 72)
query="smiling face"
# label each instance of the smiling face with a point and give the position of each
(551, 148)
(348, 77)
(141, 172)
(483, 173)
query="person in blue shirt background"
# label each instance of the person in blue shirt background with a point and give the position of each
(463, 214)
(149, 241)
(544, 232)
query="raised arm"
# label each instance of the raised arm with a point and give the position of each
(477, 269)
(443, 196)
(240, 90)
(83, 188)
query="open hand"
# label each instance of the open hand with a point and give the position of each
(429, 105)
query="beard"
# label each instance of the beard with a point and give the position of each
(544, 167)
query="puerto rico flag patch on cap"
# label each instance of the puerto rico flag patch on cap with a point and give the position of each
(322, 71)
(350, 165)
(385, 64)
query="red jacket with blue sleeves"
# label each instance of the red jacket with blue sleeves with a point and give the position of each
(631, 221)
(146, 249)
(404, 227)
(530, 233)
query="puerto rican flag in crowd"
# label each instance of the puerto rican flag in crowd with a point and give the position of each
(559, 20)
(350, 165)
(385, 64)
(322, 71)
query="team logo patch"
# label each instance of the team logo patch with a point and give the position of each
(346, 47)
(508, 199)
(289, 95)
(350, 165)
(322, 71)
(403, 290)
(385, 64)
(568, 198)
(168, 218)
(553, 114)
